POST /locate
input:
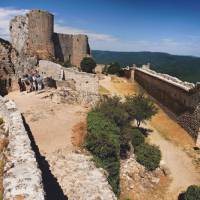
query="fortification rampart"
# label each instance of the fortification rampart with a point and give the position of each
(182, 98)
(21, 178)
(86, 85)
(34, 35)
(71, 48)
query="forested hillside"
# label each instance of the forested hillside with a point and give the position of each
(184, 67)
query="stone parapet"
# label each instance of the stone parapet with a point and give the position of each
(22, 177)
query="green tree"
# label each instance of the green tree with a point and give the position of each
(114, 68)
(88, 64)
(140, 108)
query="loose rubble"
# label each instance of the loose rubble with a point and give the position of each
(137, 179)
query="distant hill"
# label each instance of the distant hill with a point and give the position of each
(186, 68)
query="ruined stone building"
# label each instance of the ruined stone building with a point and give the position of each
(33, 39)
(182, 98)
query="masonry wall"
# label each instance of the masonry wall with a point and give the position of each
(7, 70)
(19, 33)
(22, 176)
(183, 100)
(80, 49)
(176, 98)
(63, 47)
(40, 33)
(87, 85)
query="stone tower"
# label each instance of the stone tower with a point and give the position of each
(40, 33)
(33, 34)
(80, 48)
(72, 48)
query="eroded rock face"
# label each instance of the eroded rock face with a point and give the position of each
(79, 177)
(22, 176)
(136, 179)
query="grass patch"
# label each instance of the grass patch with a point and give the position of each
(103, 90)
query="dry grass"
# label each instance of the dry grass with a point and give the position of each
(79, 133)
(171, 130)
(123, 86)
(103, 91)
(158, 192)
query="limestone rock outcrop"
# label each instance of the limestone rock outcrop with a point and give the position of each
(135, 178)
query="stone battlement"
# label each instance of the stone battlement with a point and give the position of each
(22, 177)
(182, 98)
(170, 79)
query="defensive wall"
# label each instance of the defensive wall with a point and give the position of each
(33, 35)
(182, 98)
(22, 177)
(87, 85)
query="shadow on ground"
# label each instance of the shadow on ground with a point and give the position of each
(51, 187)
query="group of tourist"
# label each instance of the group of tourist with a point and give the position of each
(31, 82)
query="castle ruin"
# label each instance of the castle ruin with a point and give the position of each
(33, 39)
(33, 34)
(182, 98)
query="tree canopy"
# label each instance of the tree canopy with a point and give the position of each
(88, 64)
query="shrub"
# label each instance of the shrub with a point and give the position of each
(130, 134)
(114, 68)
(192, 193)
(88, 64)
(103, 142)
(148, 155)
(114, 109)
(137, 138)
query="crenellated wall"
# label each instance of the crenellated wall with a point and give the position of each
(182, 98)
(22, 177)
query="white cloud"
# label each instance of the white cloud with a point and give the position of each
(188, 45)
(6, 14)
(92, 35)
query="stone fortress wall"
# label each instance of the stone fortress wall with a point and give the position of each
(85, 84)
(182, 98)
(33, 34)
(22, 177)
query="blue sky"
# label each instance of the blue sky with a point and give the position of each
(128, 25)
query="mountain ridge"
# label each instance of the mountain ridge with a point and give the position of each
(184, 67)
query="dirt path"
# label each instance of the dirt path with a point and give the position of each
(51, 124)
(171, 139)
(183, 172)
